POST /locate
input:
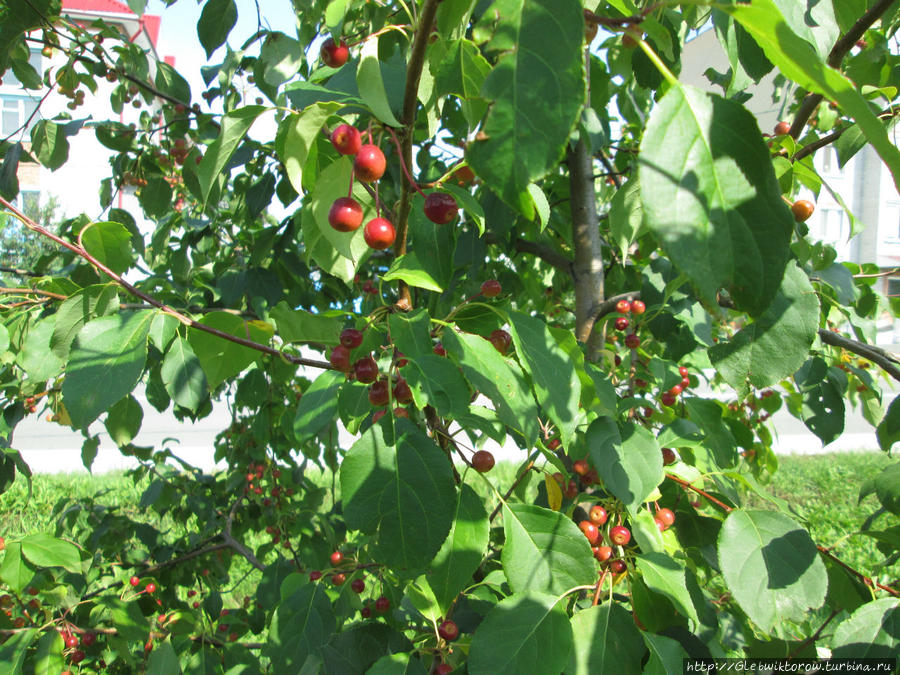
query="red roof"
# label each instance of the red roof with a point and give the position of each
(97, 6)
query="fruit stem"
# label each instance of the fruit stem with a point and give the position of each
(403, 166)
(658, 62)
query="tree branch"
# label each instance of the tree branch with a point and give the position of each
(840, 49)
(542, 251)
(871, 583)
(410, 101)
(604, 307)
(887, 361)
(512, 488)
(166, 309)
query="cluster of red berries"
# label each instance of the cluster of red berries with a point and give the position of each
(365, 370)
(618, 535)
(669, 397)
(634, 307)
(369, 164)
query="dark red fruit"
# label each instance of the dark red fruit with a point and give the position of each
(365, 612)
(491, 288)
(802, 210)
(334, 54)
(617, 566)
(483, 461)
(665, 516)
(581, 467)
(632, 341)
(338, 579)
(379, 393)
(70, 641)
(345, 214)
(346, 139)
(571, 490)
(553, 444)
(685, 383)
(369, 164)
(351, 338)
(590, 531)
(621, 323)
(358, 585)
(340, 358)
(337, 558)
(440, 208)
(89, 639)
(448, 630)
(443, 669)
(623, 306)
(638, 307)
(77, 656)
(782, 128)
(668, 456)
(677, 389)
(501, 340)
(366, 370)
(603, 553)
(378, 415)
(439, 349)
(598, 515)
(379, 233)
(619, 535)
(382, 604)
(667, 398)
(402, 392)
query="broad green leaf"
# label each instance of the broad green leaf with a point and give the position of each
(461, 553)
(888, 431)
(353, 405)
(298, 325)
(469, 204)
(169, 81)
(15, 649)
(544, 551)
(436, 381)
(89, 451)
(666, 576)
(299, 131)
(797, 60)
(423, 235)
(50, 144)
(371, 84)
(127, 618)
(110, 243)
(221, 358)
(402, 492)
(13, 571)
(711, 197)
(301, 626)
(36, 357)
(553, 375)
(42, 550)
(156, 197)
(887, 488)
(411, 333)
(357, 648)
(777, 343)
(105, 363)
(408, 268)
(163, 659)
(666, 655)
(320, 252)
(646, 532)
(536, 91)
(626, 215)
(48, 658)
(398, 664)
(524, 633)
(99, 299)
(4, 338)
(627, 458)
(319, 405)
(872, 631)
(498, 379)
(823, 411)
(18, 17)
(124, 420)
(771, 566)
(718, 439)
(216, 21)
(606, 640)
(235, 125)
(462, 71)
(282, 57)
(183, 375)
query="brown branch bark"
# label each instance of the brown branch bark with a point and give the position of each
(542, 251)
(887, 361)
(512, 488)
(32, 291)
(410, 101)
(835, 57)
(166, 309)
(871, 583)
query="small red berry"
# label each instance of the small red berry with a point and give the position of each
(553, 444)
(379, 393)
(89, 639)
(134, 581)
(346, 139)
(340, 360)
(443, 669)
(598, 515)
(402, 392)
(70, 641)
(618, 566)
(440, 208)
(581, 467)
(369, 164)
(382, 604)
(491, 288)
(782, 128)
(632, 341)
(150, 588)
(683, 371)
(358, 585)
(338, 579)
(315, 575)
(439, 349)
(337, 558)
(667, 398)
(334, 54)
(379, 234)
(448, 630)
(665, 516)
(345, 214)
(638, 307)
(590, 531)
(77, 656)
(501, 340)
(802, 210)
(621, 323)
(483, 461)
(365, 612)
(619, 535)
(668, 456)
(623, 306)
(366, 370)
(603, 553)
(677, 389)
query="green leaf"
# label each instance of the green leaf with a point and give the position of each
(216, 21)
(282, 56)
(155, 197)
(235, 125)
(462, 71)
(42, 550)
(666, 655)
(402, 492)
(524, 633)
(49, 144)
(498, 379)
(627, 458)
(771, 566)
(319, 405)
(460, 555)
(434, 380)
(371, 85)
(626, 215)
(872, 631)
(127, 618)
(110, 243)
(888, 431)
(16, 18)
(423, 235)
(887, 488)
(606, 640)
(15, 649)
(124, 420)
(13, 571)
(48, 658)
(797, 60)
(718, 439)
(667, 576)
(220, 358)
(36, 357)
(163, 659)
(544, 551)
(332, 183)
(183, 375)
(299, 131)
(169, 81)
(298, 325)
(89, 451)
(777, 343)
(411, 333)
(823, 411)
(397, 664)
(536, 91)
(711, 197)
(301, 626)
(90, 301)
(408, 268)
(553, 375)
(105, 363)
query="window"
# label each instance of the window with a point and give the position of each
(9, 78)
(15, 111)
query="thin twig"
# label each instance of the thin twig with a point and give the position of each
(32, 291)
(512, 488)
(866, 580)
(686, 484)
(887, 361)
